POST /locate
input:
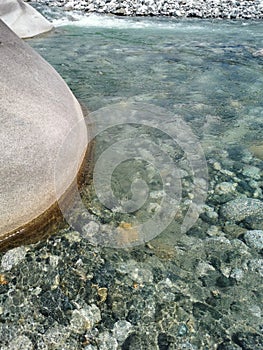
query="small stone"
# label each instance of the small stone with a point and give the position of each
(55, 336)
(85, 318)
(254, 239)
(136, 272)
(256, 265)
(233, 230)
(12, 258)
(73, 236)
(90, 229)
(237, 274)
(212, 215)
(225, 188)
(54, 260)
(102, 293)
(214, 231)
(257, 151)
(182, 330)
(209, 213)
(203, 268)
(20, 342)
(252, 172)
(217, 166)
(122, 330)
(3, 280)
(107, 342)
(69, 6)
(255, 310)
(258, 53)
(258, 193)
(165, 290)
(90, 347)
(141, 275)
(238, 209)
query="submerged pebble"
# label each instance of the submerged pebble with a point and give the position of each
(254, 239)
(20, 342)
(85, 318)
(241, 208)
(122, 330)
(12, 258)
(107, 342)
(225, 188)
(252, 172)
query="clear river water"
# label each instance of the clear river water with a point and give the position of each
(177, 105)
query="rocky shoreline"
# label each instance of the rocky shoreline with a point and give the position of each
(224, 9)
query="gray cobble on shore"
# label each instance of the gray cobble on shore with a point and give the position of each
(229, 9)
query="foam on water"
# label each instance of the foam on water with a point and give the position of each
(111, 21)
(61, 18)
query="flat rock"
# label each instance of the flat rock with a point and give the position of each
(23, 19)
(37, 113)
(241, 208)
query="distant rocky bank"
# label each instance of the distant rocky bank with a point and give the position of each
(228, 9)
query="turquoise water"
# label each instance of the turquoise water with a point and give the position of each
(203, 70)
(176, 105)
(208, 73)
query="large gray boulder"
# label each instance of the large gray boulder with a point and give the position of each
(23, 19)
(37, 114)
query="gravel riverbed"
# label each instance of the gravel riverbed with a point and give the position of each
(177, 8)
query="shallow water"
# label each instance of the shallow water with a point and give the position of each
(208, 73)
(176, 105)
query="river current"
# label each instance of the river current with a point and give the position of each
(194, 89)
(206, 73)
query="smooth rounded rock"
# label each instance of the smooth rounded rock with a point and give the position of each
(37, 114)
(23, 19)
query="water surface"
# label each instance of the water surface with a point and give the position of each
(204, 285)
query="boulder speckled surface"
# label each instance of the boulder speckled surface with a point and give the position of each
(37, 112)
(23, 19)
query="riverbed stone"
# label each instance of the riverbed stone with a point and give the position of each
(55, 337)
(225, 188)
(240, 208)
(107, 342)
(254, 239)
(85, 318)
(12, 258)
(23, 19)
(252, 172)
(122, 330)
(20, 342)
